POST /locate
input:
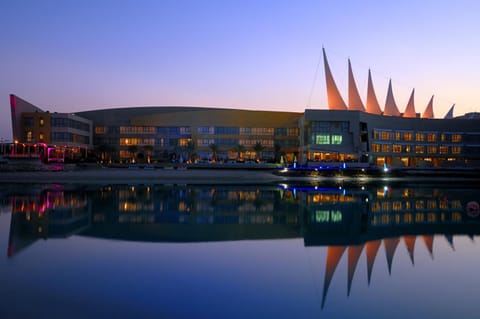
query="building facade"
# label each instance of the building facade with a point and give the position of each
(347, 132)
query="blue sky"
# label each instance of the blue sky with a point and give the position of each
(69, 56)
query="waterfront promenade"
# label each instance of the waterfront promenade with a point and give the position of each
(135, 176)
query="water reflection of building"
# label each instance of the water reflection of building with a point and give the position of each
(162, 213)
(50, 213)
(359, 221)
(349, 221)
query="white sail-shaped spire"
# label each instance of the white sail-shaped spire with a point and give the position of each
(335, 100)
(391, 108)
(372, 103)
(354, 101)
(410, 109)
(449, 114)
(428, 113)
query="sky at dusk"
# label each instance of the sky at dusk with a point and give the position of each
(71, 56)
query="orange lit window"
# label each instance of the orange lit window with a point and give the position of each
(419, 137)
(397, 148)
(385, 148)
(431, 137)
(456, 138)
(456, 149)
(431, 149)
(385, 136)
(419, 149)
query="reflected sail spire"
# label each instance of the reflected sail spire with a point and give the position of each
(335, 100)
(354, 253)
(450, 240)
(390, 247)
(410, 244)
(354, 101)
(410, 109)
(334, 254)
(428, 240)
(372, 250)
(391, 108)
(372, 102)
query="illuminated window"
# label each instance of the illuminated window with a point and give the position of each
(42, 122)
(456, 217)
(376, 148)
(322, 139)
(419, 137)
(407, 136)
(385, 136)
(396, 206)
(431, 137)
(419, 204)
(456, 149)
(29, 136)
(408, 205)
(376, 134)
(100, 130)
(431, 149)
(385, 148)
(443, 137)
(431, 217)
(456, 138)
(419, 149)
(336, 139)
(419, 217)
(205, 130)
(41, 136)
(407, 218)
(322, 216)
(184, 141)
(407, 148)
(431, 204)
(397, 148)
(292, 131)
(443, 149)
(456, 204)
(336, 216)
(398, 136)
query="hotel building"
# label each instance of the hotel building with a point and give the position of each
(352, 132)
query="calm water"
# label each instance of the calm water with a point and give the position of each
(283, 251)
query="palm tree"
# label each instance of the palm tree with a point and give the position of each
(277, 149)
(214, 148)
(132, 149)
(190, 148)
(239, 149)
(148, 149)
(258, 148)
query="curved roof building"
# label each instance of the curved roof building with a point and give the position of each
(357, 133)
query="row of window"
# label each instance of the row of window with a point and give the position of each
(69, 137)
(328, 139)
(395, 206)
(71, 123)
(417, 149)
(162, 142)
(408, 136)
(159, 130)
(202, 142)
(330, 127)
(203, 130)
(409, 218)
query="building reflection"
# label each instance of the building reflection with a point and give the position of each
(349, 220)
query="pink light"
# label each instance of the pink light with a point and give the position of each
(13, 101)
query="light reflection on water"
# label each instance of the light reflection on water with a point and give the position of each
(239, 251)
